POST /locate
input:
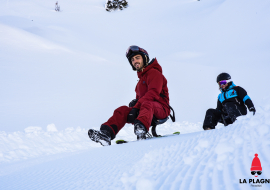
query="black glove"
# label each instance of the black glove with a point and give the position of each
(252, 109)
(132, 103)
(133, 114)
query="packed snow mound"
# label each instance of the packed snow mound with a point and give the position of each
(214, 159)
(204, 160)
(34, 142)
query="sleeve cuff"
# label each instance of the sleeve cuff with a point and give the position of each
(245, 98)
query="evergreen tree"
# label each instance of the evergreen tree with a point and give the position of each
(124, 3)
(120, 6)
(109, 5)
(116, 4)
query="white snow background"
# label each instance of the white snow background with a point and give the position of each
(62, 73)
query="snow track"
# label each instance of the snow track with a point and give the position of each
(205, 160)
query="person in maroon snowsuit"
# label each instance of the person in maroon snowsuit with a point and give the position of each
(152, 100)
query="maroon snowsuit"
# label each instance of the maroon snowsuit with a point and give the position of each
(152, 83)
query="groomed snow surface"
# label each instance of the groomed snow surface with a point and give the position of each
(62, 73)
(195, 159)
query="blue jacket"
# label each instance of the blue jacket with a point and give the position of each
(235, 94)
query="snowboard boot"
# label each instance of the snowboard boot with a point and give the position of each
(140, 130)
(103, 136)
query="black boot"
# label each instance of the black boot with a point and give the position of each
(103, 136)
(140, 130)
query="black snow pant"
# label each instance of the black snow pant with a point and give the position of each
(230, 112)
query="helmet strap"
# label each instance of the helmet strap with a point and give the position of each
(146, 60)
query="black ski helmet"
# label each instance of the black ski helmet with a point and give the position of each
(135, 50)
(223, 76)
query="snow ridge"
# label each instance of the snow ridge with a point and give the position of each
(214, 159)
(35, 142)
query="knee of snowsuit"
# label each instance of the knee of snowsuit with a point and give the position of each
(146, 112)
(212, 117)
(230, 112)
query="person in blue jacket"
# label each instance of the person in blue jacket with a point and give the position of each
(232, 102)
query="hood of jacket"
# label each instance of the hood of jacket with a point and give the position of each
(152, 65)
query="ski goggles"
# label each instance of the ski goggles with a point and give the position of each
(223, 82)
(254, 172)
(134, 49)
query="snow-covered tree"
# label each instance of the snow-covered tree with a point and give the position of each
(116, 4)
(124, 3)
(109, 5)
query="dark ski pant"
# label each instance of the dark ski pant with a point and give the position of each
(231, 112)
(147, 110)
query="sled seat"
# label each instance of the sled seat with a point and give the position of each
(156, 122)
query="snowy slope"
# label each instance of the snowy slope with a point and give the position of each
(63, 73)
(69, 67)
(204, 160)
(34, 142)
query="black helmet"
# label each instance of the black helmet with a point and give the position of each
(223, 76)
(135, 50)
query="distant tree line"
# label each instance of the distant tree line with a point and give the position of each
(110, 5)
(115, 4)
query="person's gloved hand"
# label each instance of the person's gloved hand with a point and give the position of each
(132, 103)
(133, 114)
(252, 109)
